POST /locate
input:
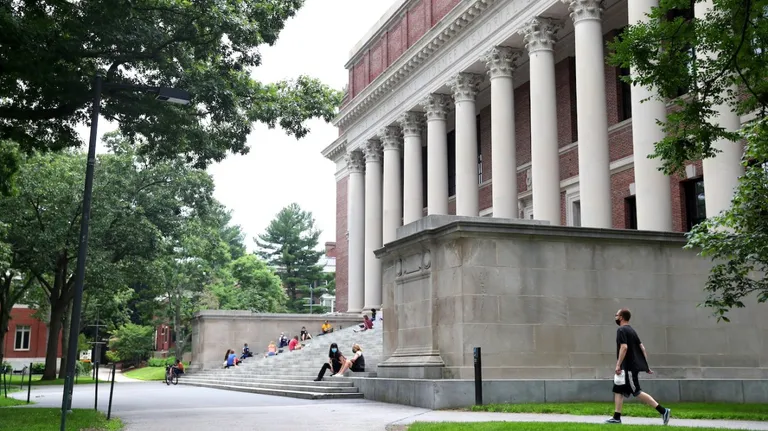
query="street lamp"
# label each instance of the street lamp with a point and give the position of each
(172, 95)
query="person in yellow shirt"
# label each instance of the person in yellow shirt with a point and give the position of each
(327, 327)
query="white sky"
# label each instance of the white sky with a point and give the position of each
(279, 169)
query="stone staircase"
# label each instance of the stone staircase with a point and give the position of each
(292, 374)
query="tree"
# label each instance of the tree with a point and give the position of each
(133, 342)
(719, 59)
(135, 205)
(258, 288)
(289, 245)
(49, 52)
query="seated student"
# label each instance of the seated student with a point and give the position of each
(294, 344)
(246, 352)
(366, 325)
(373, 316)
(304, 334)
(271, 349)
(335, 362)
(178, 369)
(356, 364)
(282, 341)
(232, 359)
(326, 328)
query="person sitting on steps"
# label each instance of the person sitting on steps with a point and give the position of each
(335, 362)
(178, 368)
(366, 325)
(356, 364)
(294, 344)
(271, 349)
(304, 334)
(246, 352)
(326, 328)
(232, 359)
(282, 341)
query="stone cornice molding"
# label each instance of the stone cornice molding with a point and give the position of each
(501, 61)
(412, 123)
(373, 151)
(465, 86)
(355, 162)
(391, 138)
(437, 106)
(540, 34)
(449, 27)
(585, 10)
(336, 150)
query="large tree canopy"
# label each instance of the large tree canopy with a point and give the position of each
(50, 50)
(718, 58)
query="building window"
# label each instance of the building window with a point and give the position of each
(687, 14)
(573, 208)
(452, 163)
(630, 212)
(528, 213)
(695, 203)
(479, 154)
(576, 210)
(424, 175)
(23, 334)
(625, 88)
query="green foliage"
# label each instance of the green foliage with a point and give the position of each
(161, 362)
(112, 356)
(726, 69)
(289, 245)
(209, 48)
(258, 288)
(83, 368)
(10, 159)
(38, 367)
(133, 342)
(83, 343)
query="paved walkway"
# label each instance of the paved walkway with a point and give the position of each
(154, 406)
(105, 373)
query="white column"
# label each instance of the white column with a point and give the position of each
(594, 160)
(501, 66)
(465, 87)
(393, 200)
(413, 192)
(545, 155)
(356, 226)
(722, 172)
(652, 187)
(436, 106)
(372, 224)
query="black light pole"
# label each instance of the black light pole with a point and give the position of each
(164, 94)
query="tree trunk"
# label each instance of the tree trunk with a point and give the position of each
(4, 318)
(179, 343)
(51, 350)
(65, 341)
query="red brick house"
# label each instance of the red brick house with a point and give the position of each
(26, 338)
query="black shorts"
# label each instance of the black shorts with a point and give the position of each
(631, 385)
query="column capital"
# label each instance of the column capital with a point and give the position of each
(373, 151)
(355, 162)
(411, 123)
(465, 86)
(391, 138)
(437, 106)
(585, 10)
(501, 61)
(540, 34)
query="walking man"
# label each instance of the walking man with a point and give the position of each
(631, 360)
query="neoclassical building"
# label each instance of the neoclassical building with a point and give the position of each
(507, 109)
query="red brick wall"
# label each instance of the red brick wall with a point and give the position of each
(342, 245)
(38, 335)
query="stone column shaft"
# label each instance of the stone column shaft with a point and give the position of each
(594, 160)
(393, 199)
(465, 89)
(545, 155)
(501, 66)
(652, 187)
(373, 232)
(413, 192)
(356, 226)
(436, 106)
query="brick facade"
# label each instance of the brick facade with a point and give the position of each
(38, 336)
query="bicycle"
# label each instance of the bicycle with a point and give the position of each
(171, 376)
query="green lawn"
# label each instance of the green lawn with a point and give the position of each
(9, 402)
(748, 412)
(16, 381)
(538, 426)
(147, 373)
(35, 419)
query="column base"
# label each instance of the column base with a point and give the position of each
(413, 364)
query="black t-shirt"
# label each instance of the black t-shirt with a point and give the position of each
(634, 360)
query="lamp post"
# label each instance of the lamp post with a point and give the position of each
(163, 94)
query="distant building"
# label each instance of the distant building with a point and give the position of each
(27, 338)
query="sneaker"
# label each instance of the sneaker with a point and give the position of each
(665, 416)
(613, 421)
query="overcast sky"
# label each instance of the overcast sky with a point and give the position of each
(279, 169)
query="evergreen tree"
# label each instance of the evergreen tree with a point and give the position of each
(289, 245)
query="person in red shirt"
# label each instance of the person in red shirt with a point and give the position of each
(294, 343)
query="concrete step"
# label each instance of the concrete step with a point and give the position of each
(307, 381)
(277, 392)
(279, 386)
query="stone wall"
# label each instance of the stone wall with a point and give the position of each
(215, 331)
(540, 301)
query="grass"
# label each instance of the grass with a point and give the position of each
(147, 373)
(36, 419)
(747, 412)
(16, 381)
(537, 426)
(10, 402)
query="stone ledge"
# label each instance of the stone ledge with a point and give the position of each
(451, 394)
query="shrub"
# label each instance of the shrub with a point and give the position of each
(112, 356)
(161, 362)
(133, 342)
(38, 367)
(83, 368)
(5, 367)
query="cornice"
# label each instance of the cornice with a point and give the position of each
(448, 28)
(395, 13)
(337, 149)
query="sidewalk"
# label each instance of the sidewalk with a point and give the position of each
(105, 374)
(456, 416)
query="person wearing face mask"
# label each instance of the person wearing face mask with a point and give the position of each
(335, 362)
(631, 360)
